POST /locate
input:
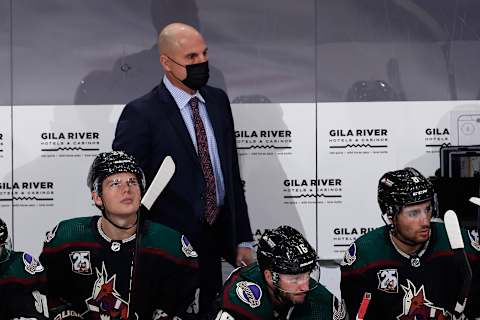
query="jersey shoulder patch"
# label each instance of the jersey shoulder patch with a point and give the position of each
(249, 293)
(31, 264)
(51, 234)
(350, 255)
(187, 247)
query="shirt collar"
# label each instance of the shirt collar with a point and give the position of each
(181, 97)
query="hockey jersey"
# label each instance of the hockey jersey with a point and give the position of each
(22, 287)
(92, 276)
(245, 296)
(424, 286)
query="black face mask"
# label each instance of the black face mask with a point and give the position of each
(197, 74)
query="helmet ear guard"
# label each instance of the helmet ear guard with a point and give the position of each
(401, 188)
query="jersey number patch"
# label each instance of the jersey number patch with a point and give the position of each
(388, 280)
(81, 262)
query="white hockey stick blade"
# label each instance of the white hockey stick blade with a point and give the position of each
(475, 200)
(163, 176)
(453, 230)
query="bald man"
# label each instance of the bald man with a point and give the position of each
(192, 122)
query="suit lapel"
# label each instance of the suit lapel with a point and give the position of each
(175, 118)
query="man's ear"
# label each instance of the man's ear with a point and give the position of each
(268, 276)
(97, 199)
(164, 62)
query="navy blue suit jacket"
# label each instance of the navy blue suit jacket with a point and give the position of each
(150, 128)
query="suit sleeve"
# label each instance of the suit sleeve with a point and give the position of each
(242, 221)
(132, 134)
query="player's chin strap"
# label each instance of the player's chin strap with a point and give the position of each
(277, 290)
(104, 214)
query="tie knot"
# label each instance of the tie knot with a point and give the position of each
(193, 102)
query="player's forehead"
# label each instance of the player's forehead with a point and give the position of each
(120, 176)
(295, 276)
(417, 206)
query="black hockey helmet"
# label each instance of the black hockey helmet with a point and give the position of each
(108, 163)
(3, 233)
(284, 250)
(5, 244)
(398, 189)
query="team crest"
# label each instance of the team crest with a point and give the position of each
(250, 293)
(474, 239)
(32, 265)
(388, 280)
(80, 261)
(51, 234)
(350, 255)
(187, 248)
(339, 309)
(417, 306)
(105, 299)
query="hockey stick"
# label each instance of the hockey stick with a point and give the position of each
(163, 176)
(363, 306)
(456, 242)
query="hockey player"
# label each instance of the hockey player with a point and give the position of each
(407, 266)
(100, 267)
(280, 285)
(22, 283)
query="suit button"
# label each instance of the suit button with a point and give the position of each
(202, 197)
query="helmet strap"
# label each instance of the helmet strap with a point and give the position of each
(386, 219)
(104, 214)
(277, 292)
(275, 278)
